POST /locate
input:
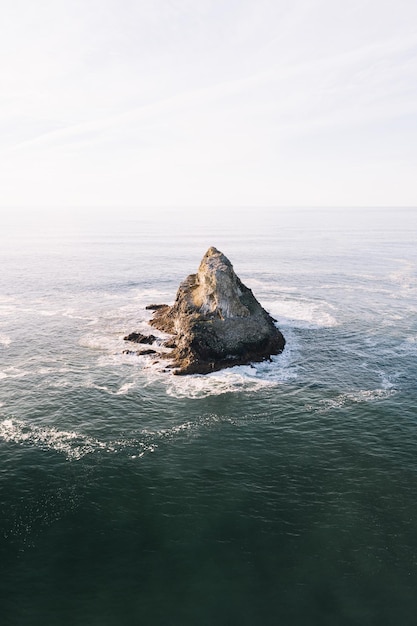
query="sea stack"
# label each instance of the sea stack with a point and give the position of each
(216, 321)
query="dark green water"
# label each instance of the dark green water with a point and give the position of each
(284, 494)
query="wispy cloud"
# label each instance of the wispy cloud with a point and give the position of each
(204, 92)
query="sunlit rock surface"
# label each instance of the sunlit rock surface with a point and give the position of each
(216, 321)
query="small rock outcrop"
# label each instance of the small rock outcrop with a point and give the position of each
(139, 338)
(216, 321)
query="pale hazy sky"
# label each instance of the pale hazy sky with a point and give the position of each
(208, 102)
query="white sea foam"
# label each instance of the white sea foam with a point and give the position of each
(7, 310)
(113, 327)
(143, 363)
(409, 345)
(110, 345)
(72, 314)
(5, 340)
(199, 386)
(354, 397)
(189, 425)
(13, 372)
(259, 286)
(143, 297)
(47, 369)
(302, 313)
(41, 312)
(96, 341)
(242, 378)
(58, 384)
(387, 381)
(405, 275)
(123, 389)
(74, 446)
(386, 390)
(70, 443)
(279, 370)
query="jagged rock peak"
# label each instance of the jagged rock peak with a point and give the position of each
(216, 321)
(217, 288)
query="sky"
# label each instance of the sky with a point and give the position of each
(164, 103)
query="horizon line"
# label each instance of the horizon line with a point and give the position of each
(201, 206)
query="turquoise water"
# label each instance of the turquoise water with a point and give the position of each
(284, 493)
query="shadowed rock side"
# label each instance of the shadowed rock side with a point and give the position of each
(216, 321)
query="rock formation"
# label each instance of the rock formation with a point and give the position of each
(215, 321)
(139, 338)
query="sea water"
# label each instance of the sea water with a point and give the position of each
(276, 493)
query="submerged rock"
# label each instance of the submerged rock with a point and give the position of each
(144, 352)
(216, 321)
(154, 307)
(139, 338)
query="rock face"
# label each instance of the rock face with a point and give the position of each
(216, 321)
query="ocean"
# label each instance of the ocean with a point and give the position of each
(279, 493)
